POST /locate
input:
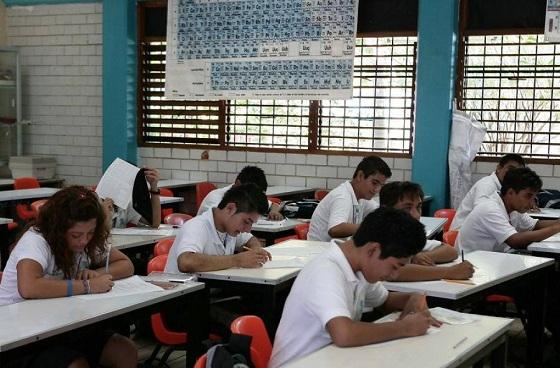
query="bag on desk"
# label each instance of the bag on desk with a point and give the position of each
(236, 353)
(299, 209)
(549, 198)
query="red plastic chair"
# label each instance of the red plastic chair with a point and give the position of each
(162, 248)
(284, 238)
(177, 218)
(302, 230)
(449, 214)
(261, 347)
(275, 200)
(24, 211)
(165, 192)
(449, 237)
(36, 206)
(320, 194)
(201, 362)
(202, 190)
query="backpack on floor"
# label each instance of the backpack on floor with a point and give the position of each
(235, 354)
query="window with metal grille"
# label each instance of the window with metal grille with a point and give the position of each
(510, 83)
(380, 115)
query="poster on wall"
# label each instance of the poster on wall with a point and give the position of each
(552, 21)
(260, 49)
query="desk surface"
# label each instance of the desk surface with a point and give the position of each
(288, 225)
(33, 320)
(547, 213)
(20, 194)
(550, 245)
(8, 184)
(4, 221)
(302, 248)
(168, 200)
(280, 190)
(433, 225)
(135, 239)
(177, 183)
(492, 268)
(433, 350)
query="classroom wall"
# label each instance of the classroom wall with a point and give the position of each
(3, 36)
(61, 49)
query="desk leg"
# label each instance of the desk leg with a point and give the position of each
(197, 321)
(535, 319)
(498, 357)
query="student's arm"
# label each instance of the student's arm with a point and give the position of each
(274, 212)
(343, 230)
(346, 332)
(152, 176)
(413, 272)
(120, 265)
(441, 254)
(522, 239)
(254, 244)
(198, 262)
(32, 284)
(541, 224)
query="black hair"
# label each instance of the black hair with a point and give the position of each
(511, 157)
(247, 198)
(519, 179)
(255, 175)
(372, 165)
(393, 192)
(398, 233)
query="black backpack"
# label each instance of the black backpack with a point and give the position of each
(235, 354)
(549, 198)
(300, 209)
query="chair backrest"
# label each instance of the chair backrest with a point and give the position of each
(201, 361)
(176, 218)
(36, 206)
(202, 190)
(275, 200)
(320, 194)
(449, 237)
(448, 213)
(261, 347)
(26, 183)
(157, 263)
(165, 192)
(301, 230)
(284, 238)
(162, 247)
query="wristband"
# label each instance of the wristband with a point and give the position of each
(87, 288)
(157, 191)
(69, 287)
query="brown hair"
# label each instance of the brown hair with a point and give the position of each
(61, 212)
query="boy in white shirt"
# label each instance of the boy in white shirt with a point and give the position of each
(485, 187)
(340, 213)
(327, 299)
(407, 196)
(500, 222)
(208, 241)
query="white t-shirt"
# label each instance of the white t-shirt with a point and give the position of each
(338, 207)
(482, 188)
(32, 246)
(489, 225)
(326, 288)
(121, 217)
(199, 235)
(431, 245)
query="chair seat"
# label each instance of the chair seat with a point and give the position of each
(497, 298)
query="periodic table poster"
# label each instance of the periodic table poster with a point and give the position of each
(260, 49)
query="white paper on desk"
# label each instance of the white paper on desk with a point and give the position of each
(271, 223)
(129, 286)
(392, 317)
(553, 238)
(452, 317)
(295, 251)
(143, 231)
(285, 262)
(117, 182)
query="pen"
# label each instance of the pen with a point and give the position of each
(460, 342)
(464, 282)
(107, 259)
(462, 256)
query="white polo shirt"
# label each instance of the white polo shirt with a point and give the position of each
(326, 288)
(213, 199)
(199, 235)
(338, 207)
(431, 245)
(482, 188)
(121, 217)
(489, 225)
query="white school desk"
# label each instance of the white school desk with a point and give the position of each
(495, 271)
(433, 225)
(433, 350)
(24, 324)
(122, 242)
(266, 283)
(177, 183)
(185, 189)
(290, 192)
(169, 200)
(8, 184)
(272, 232)
(546, 213)
(25, 194)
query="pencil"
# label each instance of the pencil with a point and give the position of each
(460, 342)
(464, 282)
(462, 256)
(107, 259)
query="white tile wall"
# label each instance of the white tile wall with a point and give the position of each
(60, 47)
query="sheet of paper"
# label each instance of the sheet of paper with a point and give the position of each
(129, 286)
(286, 262)
(170, 277)
(392, 317)
(295, 251)
(144, 231)
(117, 182)
(271, 223)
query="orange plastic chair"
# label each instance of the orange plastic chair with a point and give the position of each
(261, 347)
(201, 362)
(301, 231)
(165, 192)
(24, 211)
(320, 194)
(449, 214)
(449, 237)
(36, 206)
(202, 190)
(284, 238)
(275, 200)
(176, 218)
(162, 248)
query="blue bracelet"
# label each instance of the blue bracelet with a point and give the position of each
(69, 287)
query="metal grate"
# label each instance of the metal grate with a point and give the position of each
(380, 115)
(510, 83)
